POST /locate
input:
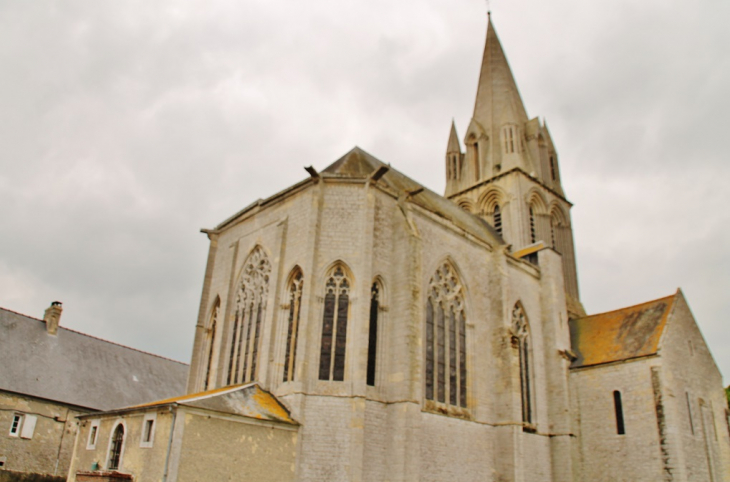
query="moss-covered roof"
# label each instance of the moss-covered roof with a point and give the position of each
(623, 334)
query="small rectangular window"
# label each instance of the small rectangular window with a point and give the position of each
(618, 406)
(93, 435)
(15, 425)
(148, 430)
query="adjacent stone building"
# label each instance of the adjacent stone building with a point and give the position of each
(49, 375)
(234, 433)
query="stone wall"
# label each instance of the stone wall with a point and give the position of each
(50, 448)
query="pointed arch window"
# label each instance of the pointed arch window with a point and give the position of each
(295, 305)
(375, 293)
(334, 326)
(497, 219)
(248, 319)
(521, 341)
(211, 343)
(115, 449)
(446, 377)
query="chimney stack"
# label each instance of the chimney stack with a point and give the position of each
(53, 317)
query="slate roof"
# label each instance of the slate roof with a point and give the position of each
(78, 369)
(620, 335)
(246, 400)
(358, 164)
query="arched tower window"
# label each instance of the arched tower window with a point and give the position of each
(251, 298)
(521, 339)
(446, 378)
(497, 219)
(294, 293)
(115, 449)
(375, 293)
(533, 232)
(334, 326)
(211, 342)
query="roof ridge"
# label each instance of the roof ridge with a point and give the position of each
(98, 338)
(627, 307)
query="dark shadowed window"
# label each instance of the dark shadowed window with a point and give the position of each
(295, 305)
(373, 333)
(334, 326)
(446, 378)
(533, 233)
(618, 407)
(497, 216)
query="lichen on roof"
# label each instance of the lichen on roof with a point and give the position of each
(619, 335)
(247, 400)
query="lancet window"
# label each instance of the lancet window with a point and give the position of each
(334, 326)
(446, 377)
(375, 293)
(248, 318)
(295, 305)
(521, 338)
(211, 343)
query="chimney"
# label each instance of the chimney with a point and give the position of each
(53, 317)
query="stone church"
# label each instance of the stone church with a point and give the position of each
(410, 336)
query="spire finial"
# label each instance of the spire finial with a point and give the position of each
(489, 10)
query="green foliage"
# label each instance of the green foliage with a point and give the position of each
(727, 392)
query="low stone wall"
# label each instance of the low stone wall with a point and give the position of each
(10, 476)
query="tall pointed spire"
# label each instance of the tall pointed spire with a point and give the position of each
(453, 145)
(498, 100)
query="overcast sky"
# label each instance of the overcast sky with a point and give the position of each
(125, 127)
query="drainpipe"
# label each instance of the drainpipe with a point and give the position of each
(60, 444)
(172, 409)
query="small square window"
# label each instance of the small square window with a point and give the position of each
(16, 424)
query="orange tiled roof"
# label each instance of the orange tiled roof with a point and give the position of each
(620, 335)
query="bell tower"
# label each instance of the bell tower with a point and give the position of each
(509, 171)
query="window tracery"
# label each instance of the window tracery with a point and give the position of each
(295, 305)
(334, 326)
(248, 318)
(446, 377)
(521, 340)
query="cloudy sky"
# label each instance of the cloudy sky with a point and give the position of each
(125, 127)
